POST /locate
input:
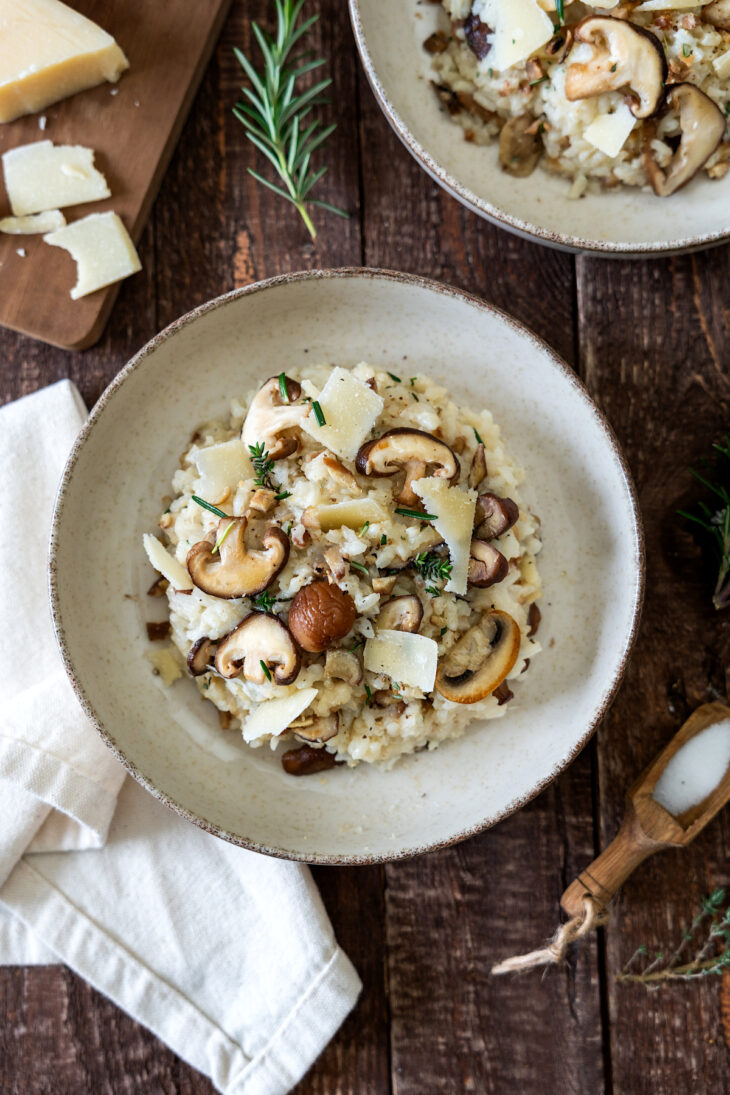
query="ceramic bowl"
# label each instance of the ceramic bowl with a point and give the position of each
(624, 223)
(121, 465)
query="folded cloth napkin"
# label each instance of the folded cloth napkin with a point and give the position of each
(226, 955)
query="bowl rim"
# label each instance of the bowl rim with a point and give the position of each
(492, 213)
(138, 359)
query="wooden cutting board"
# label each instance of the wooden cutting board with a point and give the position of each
(133, 127)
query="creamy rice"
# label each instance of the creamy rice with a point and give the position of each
(411, 720)
(482, 99)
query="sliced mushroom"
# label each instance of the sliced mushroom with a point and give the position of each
(624, 56)
(478, 469)
(335, 563)
(494, 516)
(341, 475)
(316, 729)
(718, 13)
(413, 451)
(534, 615)
(233, 571)
(487, 566)
(388, 701)
(200, 656)
(158, 588)
(702, 124)
(306, 760)
(342, 665)
(559, 46)
(438, 42)
(401, 614)
(503, 693)
(259, 640)
(520, 146)
(384, 583)
(480, 660)
(477, 36)
(272, 421)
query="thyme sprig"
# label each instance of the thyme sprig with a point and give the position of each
(277, 116)
(710, 933)
(711, 522)
(263, 465)
(265, 601)
(432, 566)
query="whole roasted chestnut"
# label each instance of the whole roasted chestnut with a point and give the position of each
(320, 615)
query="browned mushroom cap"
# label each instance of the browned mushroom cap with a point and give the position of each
(494, 516)
(401, 614)
(702, 125)
(480, 660)
(624, 56)
(477, 36)
(259, 640)
(311, 728)
(520, 146)
(487, 566)
(412, 450)
(233, 571)
(718, 13)
(273, 421)
(342, 665)
(306, 760)
(200, 656)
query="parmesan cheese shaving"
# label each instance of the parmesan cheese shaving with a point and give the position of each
(221, 467)
(350, 408)
(43, 176)
(520, 27)
(166, 564)
(274, 716)
(454, 509)
(609, 132)
(405, 657)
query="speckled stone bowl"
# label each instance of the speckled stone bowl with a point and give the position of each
(623, 223)
(121, 465)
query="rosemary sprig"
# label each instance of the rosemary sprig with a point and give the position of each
(207, 505)
(711, 523)
(712, 954)
(267, 671)
(416, 514)
(277, 116)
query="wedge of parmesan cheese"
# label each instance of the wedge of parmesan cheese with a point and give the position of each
(43, 176)
(671, 5)
(166, 563)
(609, 132)
(34, 224)
(520, 27)
(273, 716)
(221, 467)
(49, 51)
(103, 251)
(454, 509)
(405, 657)
(721, 65)
(350, 410)
(353, 513)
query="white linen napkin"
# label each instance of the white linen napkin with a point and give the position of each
(226, 955)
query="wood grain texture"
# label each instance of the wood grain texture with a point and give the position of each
(653, 342)
(133, 128)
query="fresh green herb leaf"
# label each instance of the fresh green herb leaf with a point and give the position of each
(364, 528)
(265, 601)
(283, 387)
(318, 413)
(383, 540)
(369, 695)
(614, 67)
(359, 566)
(287, 530)
(433, 590)
(358, 644)
(263, 465)
(415, 513)
(413, 380)
(392, 376)
(710, 520)
(686, 51)
(560, 9)
(276, 114)
(476, 434)
(211, 509)
(414, 396)
(221, 538)
(267, 671)
(444, 630)
(282, 495)
(542, 80)
(432, 566)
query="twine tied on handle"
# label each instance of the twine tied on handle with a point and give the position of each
(594, 915)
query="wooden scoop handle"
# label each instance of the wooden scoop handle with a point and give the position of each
(606, 875)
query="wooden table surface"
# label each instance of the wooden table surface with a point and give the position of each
(650, 339)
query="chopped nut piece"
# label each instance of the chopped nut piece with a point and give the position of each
(158, 631)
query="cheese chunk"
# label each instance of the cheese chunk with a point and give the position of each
(274, 716)
(609, 132)
(166, 564)
(220, 467)
(353, 513)
(103, 251)
(671, 5)
(167, 664)
(34, 224)
(721, 65)
(405, 657)
(47, 52)
(454, 509)
(43, 176)
(350, 410)
(520, 27)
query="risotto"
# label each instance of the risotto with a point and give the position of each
(349, 567)
(634, 94)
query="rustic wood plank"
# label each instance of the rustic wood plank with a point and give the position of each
(451, 915)
(653, 343)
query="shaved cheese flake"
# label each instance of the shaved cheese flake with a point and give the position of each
(33, 224)
(405, 657)
(609, 132)
(721, 65)
(354, 514)
(454, 509)
(167, 564)
(220, 467)
(671, 5)
(520, 27)
(350, 408)
(274, 716)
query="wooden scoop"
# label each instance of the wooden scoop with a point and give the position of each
(647, 827)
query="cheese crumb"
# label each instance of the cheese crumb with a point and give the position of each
(103, 251)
